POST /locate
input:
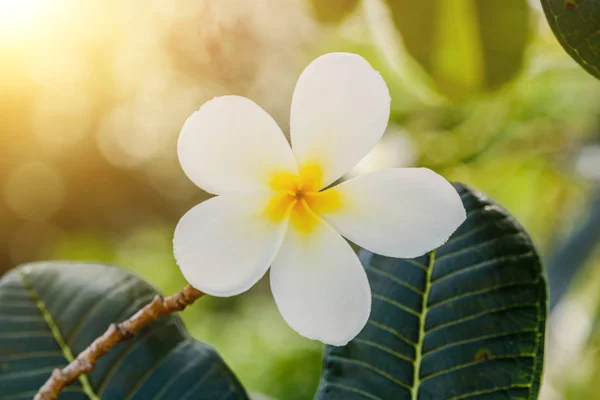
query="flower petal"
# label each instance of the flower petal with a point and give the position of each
(320, 287)
(340, 110)
(226, 244)
(231, 145)
(401, 212)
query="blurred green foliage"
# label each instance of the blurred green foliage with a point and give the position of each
(334, 10)
(465, 45)
(92, 100)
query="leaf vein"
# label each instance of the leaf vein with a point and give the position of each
(189, 391)
(395, 279)
(415, 263)
(153, 368)
(105, 296)
(480, 314)
(478, 245)
(31, 354)
(480, 291)
(487, 391)
(479, 228)
(384, 348)
(392, 331)
(485, 263)
(354, 390)
(422, 321)
(396, 304)
(376, 370)
(475, 362)
(190, 363)
(476, 339)
(56, 333)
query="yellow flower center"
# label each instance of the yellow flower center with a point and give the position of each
(299, 197)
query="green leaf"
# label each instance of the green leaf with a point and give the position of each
(467, 46)
(332, 11)
(50, 312)
(466, 321)
(576, 24)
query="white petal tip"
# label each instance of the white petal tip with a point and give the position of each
(337, 343)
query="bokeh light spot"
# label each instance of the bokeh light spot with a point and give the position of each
(33, 241)
(34, 191)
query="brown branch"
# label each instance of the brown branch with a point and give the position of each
(115, 334)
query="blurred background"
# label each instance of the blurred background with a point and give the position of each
(93, 95)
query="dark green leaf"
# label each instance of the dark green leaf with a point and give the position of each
(333, 11)
(466, 46)
(576, 24)
(465, 321)
(52, 311)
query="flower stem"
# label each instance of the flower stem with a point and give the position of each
(115, 334)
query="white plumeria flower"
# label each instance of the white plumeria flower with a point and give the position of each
(272, 208)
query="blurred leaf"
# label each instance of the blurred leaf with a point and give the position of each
(576, 24)
(571, 256)
(466, 45)
(467, 320)
(52, 311)
(332, 11)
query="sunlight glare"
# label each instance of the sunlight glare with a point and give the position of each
(18, 18)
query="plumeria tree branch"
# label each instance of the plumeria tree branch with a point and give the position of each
(115, 334)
